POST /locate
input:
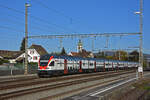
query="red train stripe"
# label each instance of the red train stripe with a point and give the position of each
(44, 67)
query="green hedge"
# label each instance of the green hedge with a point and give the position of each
(3, 61)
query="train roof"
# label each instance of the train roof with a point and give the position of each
(47, 56)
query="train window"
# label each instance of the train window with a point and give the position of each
(91, 64)
(52, 63)
(83, 64)
(61, 63)
(108, 64)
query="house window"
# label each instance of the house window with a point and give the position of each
(31, 52)
(35, 58)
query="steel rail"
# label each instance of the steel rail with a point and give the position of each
(54, 86)
(55, 79)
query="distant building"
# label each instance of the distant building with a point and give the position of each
(147, 59)
(73, 54)
(6, 54)
(81, 52)
(79, 46)
(34, 53)
(84, 54)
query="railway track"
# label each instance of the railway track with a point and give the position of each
(13, 80)
(16, 79)
(35, 81)
(59, 82)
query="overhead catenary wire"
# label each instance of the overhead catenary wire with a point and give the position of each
(35, 26)
(83, 35)
(21, 23)
(42, 29)
(34, 17)
(10, 28)
(53, 10)
(45, 21)
(12, 16)
(70, 18)
(11, 21)
(12, 9)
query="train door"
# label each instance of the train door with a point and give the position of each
(94, 66)
(65, 66)
(80, 66)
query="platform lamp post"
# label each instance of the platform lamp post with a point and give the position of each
(26, 38)
(140, 68)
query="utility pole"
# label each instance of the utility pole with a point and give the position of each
(140, 69)
(26, 39)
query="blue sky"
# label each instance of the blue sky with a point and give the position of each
(73, 16)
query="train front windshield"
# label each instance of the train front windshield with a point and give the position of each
(43, 62)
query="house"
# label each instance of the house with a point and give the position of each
(84, 54)
(6, 54)
(34, 53)
(33, 56)
(147, 59)
(10, 55)
(39, 49)
(73, 54)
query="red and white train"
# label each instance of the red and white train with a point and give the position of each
(58, 65)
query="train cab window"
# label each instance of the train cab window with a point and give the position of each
(52, 63)
(43, 63)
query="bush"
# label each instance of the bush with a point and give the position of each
(33, 63)
(3, 61)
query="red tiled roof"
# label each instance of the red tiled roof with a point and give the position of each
(10, 54)
(74, 54)
(39, 49)
(84, 54)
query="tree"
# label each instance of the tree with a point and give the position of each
(22, 47)
(122, 55)
(63, 52)
(110, 57)
(100, 55)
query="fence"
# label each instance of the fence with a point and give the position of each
(17, 69)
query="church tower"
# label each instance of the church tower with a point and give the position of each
(79, 46)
